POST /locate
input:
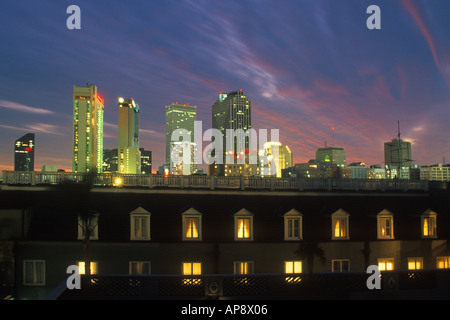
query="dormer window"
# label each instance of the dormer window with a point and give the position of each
(385, 225)
(139, 224)
(192, 224)
(243, 225)
(88, 225)
(293, 225)
(428, 224)
(339, 223)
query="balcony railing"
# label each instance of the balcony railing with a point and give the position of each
(211, 182)
(430, 284)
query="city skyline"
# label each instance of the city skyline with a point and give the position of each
(314, 67)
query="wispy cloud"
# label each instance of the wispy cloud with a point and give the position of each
(38, 127)
(23, 108)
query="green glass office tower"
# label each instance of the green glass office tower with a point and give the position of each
(88, 111)
(129, 156)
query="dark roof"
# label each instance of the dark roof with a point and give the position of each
(54, 217)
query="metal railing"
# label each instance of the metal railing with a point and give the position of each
(212, 182)
(421, 283)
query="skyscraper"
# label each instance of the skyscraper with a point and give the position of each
(232, 111)
(179, 116)
(332, 155)
(397, 153)
(24, 153)
(88, 110)
(129, 155)
(146, 161)
(276, 159)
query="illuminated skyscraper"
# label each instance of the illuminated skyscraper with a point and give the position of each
(24, 153)
(88, 110)
(232, 111)
(277, 158)
(179, 116)
(332, 155)
(129, 155)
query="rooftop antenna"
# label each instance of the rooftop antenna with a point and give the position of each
(332, 135)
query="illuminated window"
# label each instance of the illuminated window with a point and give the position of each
(192, 268)
(139, 267)
(82, 267)
(428, 223)
(293, 225)
(385, 223)
(386, 264)
(243, 225)
(243, 267)
(88, 225)
(340, 265)
(192, 225)
(293, 267)
(339, 222)
(140, 224)
(415, 263)
(34, 272)
(443, 262)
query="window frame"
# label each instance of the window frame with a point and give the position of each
(293, 215)
(140, 213)
(382, 217)
(34, 271)
(237, 266)
(130, 264)
(415, 260)
(445, 260)
(191, 268)
(340, 265)
(386, 261)
(94, 264)
(285, 262)
(94, 233)
(243, 214)
(186, 216)
(432, 216)
(340, 215)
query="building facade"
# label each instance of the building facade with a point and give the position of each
(333, 155)
(129, 155)
(146, 161)
(179, 116)
(88, 108)
(207, 233)
(24, 153)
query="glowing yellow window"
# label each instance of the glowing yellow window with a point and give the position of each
(429, 224)
(443, 262)
(82, 267)
(243, 267)
(385, 222)
(243, 231)
(340, 225)
(192, 228)
(192, 225)
(293, 267)
(192, 268)
(415, 263)
(386, 264)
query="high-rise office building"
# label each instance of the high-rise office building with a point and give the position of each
(146, 161)
(277, 158)
(332, 155)
(232, 111)
(397, 153)
(88, 111)
(110, 160)
(24, 153)
(129, 155)
(179, 116)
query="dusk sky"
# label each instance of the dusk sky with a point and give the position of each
(306, 65)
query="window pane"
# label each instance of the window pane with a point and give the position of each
(288, 267)
(192, 228)
(243, 228)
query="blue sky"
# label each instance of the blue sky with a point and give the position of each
(307, 66)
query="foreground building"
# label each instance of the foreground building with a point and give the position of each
(176, 232)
